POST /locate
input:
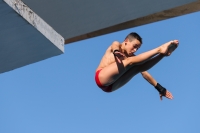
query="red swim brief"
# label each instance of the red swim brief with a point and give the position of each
(104, 88)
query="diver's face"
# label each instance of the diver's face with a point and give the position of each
(132, 46)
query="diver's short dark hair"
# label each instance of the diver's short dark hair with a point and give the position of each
(132, 36)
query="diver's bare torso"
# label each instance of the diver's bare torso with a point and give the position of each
(109, 58)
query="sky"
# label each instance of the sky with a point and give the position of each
(59, 94)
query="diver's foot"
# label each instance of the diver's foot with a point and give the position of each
(168, 47)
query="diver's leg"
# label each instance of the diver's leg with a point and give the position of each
(128, 75)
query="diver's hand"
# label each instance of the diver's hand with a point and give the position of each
(163, 92)
(118, 53)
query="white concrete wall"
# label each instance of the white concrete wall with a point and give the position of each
(20, 42)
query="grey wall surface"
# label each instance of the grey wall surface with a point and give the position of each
(20, 43)
(73, 18)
